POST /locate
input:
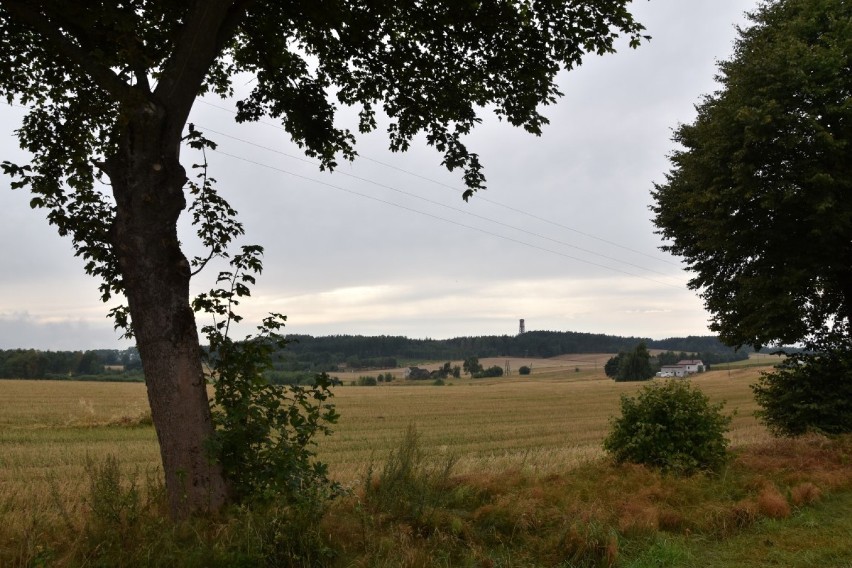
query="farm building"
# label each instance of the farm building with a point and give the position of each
(682, 369)
(416, 373)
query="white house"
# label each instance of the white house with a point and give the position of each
(692, 365)
(682, 369)
(672, 371)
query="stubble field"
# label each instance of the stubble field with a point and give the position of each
(549, 422)
(526, 489)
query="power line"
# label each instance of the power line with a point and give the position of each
(516, 210)
(433, 202)
(442, 205)
(479, 196)
(439, 218)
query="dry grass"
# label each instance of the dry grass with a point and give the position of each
(526, 488)
(537, 424)
(805, 494)
(771, 503)
(545, 424)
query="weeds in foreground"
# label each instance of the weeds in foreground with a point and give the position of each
(410, 486)
(413, 512)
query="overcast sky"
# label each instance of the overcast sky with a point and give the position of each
(385, 245)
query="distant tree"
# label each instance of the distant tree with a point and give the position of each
(25, 364)
(636, 366)
(444, 371)
(668, 358)
(524, 370)
(633, 365)
(456, 371)
(471, 365)
(613, 365)
(130, 359)
(89, 364)
(759, 198)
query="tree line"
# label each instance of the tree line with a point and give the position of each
(35, 364)
(330, 353)
(305, 355)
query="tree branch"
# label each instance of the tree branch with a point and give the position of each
(40, 21)
(210, 24)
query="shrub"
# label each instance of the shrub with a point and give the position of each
(495, 371)
(367, 381)
(671, 426)
(524, 370)
(808, 392)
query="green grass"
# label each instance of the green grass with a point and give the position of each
(815, 536)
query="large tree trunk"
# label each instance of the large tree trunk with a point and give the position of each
(147, 182)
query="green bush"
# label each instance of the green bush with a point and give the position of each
(494, 371)
(524, 370)
(671, 426)
(367, 381)
(808, 392)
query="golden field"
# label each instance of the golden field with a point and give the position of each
(548, 422)
(527, 488)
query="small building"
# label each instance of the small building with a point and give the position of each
(672, 371)
(682, 369)
(416, 373)
(692, 365)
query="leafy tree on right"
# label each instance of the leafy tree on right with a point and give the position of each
(759, 198)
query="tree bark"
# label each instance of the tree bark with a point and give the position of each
(147, 182)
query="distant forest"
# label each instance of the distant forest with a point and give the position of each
(330, 353)
(35, 364)
(306, 355)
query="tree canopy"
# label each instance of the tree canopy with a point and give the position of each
(109, 86)
(634, 365)
(759, 198)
